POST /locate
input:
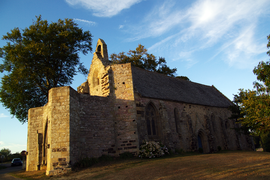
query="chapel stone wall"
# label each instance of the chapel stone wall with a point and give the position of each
(181, 130)
(124, 108)
(94, 133)
(58, 149)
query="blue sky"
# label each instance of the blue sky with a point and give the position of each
(211, 42)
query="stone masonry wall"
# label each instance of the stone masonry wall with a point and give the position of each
(92, 126)
(58, 149)
(181, 131)
(48, 143)
(124, 108)
(35, 116)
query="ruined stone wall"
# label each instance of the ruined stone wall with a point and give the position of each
(48, 134)
(92, 130)
(181, 124)
(35, 116)
(58, 130)
(124, 108)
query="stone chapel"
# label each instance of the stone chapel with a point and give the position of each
(120, 106)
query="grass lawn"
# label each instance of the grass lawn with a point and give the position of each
(224, 165)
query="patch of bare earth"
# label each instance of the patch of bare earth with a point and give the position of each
(229, 165)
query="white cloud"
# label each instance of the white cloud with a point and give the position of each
(85, 21)
(1, 143)
(243, 50)
(227, 25)
(2, 115)
(121, 26)
(104, 8)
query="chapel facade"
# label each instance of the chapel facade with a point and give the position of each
(119, 107)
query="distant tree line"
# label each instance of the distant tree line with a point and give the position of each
(7, 156)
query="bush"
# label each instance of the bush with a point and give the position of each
(200, 150)
(219, 148)
(152, 149)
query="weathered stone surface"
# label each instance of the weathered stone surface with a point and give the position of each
(83, 88)
(107, 116)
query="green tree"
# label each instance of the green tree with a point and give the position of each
(140, 58)
(5, 152)
(37, 58)
(254, 104)
(238, 114)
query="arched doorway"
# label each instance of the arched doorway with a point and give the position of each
(203, 142)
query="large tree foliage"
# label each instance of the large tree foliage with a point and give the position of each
(37, 58)
(144, 60)
(254, 104)
(238, 113)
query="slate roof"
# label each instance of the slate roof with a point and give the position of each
(159, 86)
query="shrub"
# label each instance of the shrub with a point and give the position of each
(152, 149)
(219, 148)
(200, 150)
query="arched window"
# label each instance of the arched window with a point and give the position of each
(176, 119)
(99, 49)
(151, 120)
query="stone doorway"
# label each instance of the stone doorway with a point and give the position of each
(203, 142)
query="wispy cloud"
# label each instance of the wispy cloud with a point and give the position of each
(2, 115)
(227, 25)
(85, 21)
(104, 8)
